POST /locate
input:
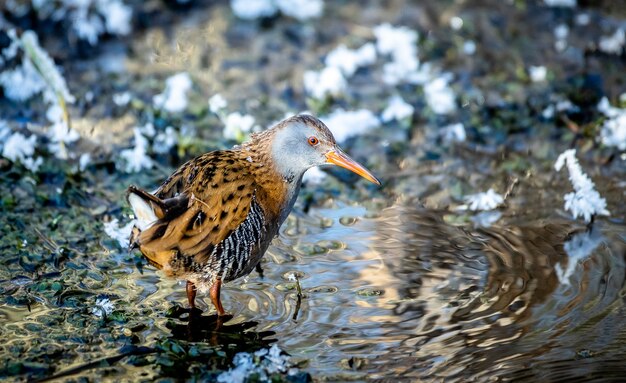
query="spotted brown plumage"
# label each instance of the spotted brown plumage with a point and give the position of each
(212, 220)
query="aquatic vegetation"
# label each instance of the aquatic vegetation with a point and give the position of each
(585, 201)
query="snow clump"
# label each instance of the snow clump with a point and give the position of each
(585, 201)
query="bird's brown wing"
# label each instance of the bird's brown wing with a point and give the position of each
(211, 196)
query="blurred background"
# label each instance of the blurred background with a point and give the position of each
(476, 260)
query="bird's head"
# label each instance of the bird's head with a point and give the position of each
(303, 141)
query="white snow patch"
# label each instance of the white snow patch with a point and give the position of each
(262, 363)
(122, 99)
(238, 126)
(349, 60)
(400, 43)
(613, 131)
(301, 9)
(560, 3)
(253, 9)
(345, 124)
(397, 109)
(585, 201)
(314, 176)
(137, 159)
(439, 96)
(119, 233)
(147, 130)
(165, 141)
(561, 32)
(103, 307)
(484, 201)
(469, 47)
(456, 23)
(117, 16)
(22, 83)
(83, 161)
(453, 132)
(217, 103)
(11, 51)
(537, 73)
(328, 82)
(18, 148)
(613, 44)
(174, 97)
(90, 18)
(582, 19)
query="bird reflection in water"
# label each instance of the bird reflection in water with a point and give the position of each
(192, 326)
(497, 298)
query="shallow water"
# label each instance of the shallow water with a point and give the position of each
(406, 294)
(397, 292)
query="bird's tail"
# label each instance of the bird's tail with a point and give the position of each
(147, 207)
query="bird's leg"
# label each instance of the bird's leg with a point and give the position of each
(191, 294)
(215, 297)
(259, 269)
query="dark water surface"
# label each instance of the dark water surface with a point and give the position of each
(389, 293)
(406, 294)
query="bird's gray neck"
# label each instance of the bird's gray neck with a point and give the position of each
(293, 188)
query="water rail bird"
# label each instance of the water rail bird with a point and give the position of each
(211, 221)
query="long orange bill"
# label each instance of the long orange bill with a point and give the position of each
(338, 157)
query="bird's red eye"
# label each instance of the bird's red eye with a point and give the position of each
(313, 141)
